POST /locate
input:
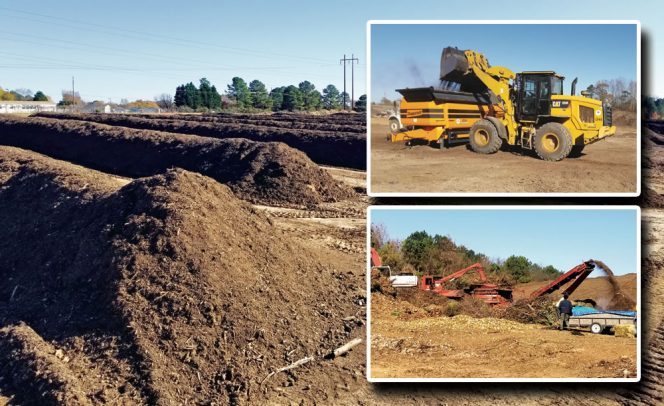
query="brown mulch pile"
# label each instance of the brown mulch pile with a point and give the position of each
(268, 173)
(336, 148)
(163, 290)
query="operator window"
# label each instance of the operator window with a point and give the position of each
(545, 89)
(557, 87)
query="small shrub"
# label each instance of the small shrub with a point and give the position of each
(453, 308)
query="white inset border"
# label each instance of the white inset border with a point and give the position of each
(508, 194)
(637, 267)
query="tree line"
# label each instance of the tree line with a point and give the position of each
(255, 96)
(22, 95)
(203, 96)
(619, 93)
(422, 253)
(653, 108)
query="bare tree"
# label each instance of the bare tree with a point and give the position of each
(69, 98)
(379, 235)
(26, 94)
(165, 101)
(631, 88)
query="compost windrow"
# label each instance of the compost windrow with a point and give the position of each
(267, 173)
(323, 147)
(159, 290)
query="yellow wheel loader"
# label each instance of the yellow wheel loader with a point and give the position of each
(490, 106)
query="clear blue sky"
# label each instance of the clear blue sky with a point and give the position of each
(409, 55)
(562, 238)
(138, 49)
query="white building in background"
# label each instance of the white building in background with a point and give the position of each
(23, 107)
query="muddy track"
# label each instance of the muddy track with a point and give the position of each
(333, 240)
(318, 213)
(323, 147)
(269, 173)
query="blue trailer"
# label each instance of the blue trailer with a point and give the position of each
(600, 321)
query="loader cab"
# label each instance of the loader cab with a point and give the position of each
(534, 90)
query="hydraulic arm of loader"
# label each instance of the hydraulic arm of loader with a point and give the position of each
(578, 274)
(457, 65)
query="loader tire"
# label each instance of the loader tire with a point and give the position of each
(552, 142)
(576, 151)
(484, 137)
(394, 126)
(502, 131)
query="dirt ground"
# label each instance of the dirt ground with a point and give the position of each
(467, 347)
(409, 341)
(606, 166)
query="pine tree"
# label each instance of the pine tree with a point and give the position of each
(314, 101)
(259, 96)
(331, 98)
(205, 92)
(192, 96)
(361, 103)
(277, 98)
(180, 99)
(310, 97)
(40, 96)
(292, 99)
(215, 99)
(239, 91)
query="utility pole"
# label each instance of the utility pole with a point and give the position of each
(352, 61)
(72, 94)
(343, 61)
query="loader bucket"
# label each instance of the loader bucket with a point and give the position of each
(453, 65)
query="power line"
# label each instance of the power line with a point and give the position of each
(57, 43)
(154, 37)
(163, 72)
(49, 42)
